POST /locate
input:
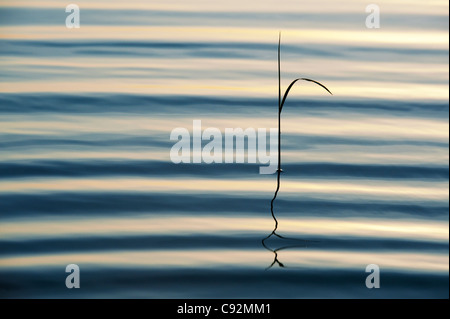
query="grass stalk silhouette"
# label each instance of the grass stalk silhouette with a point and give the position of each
(281, 102)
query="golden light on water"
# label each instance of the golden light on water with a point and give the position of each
(395, 190)
(211, 224)
(302, 259)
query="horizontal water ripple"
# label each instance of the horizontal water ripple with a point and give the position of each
(218, 50)
(84, 204)
(302, 258)
(176, 105)
(14, 144)
(395, 190)
(50, 168)
(177, 283)
(50, 16)
(168, 242)
(294, 226)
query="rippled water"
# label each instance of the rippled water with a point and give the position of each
(86, 177)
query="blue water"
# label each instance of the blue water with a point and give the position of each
(86, 177)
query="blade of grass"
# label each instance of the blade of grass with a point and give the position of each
(292, 84)
(280, 108)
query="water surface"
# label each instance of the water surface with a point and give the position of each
(86, 177)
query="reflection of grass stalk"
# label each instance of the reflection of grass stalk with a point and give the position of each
(280, 108)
